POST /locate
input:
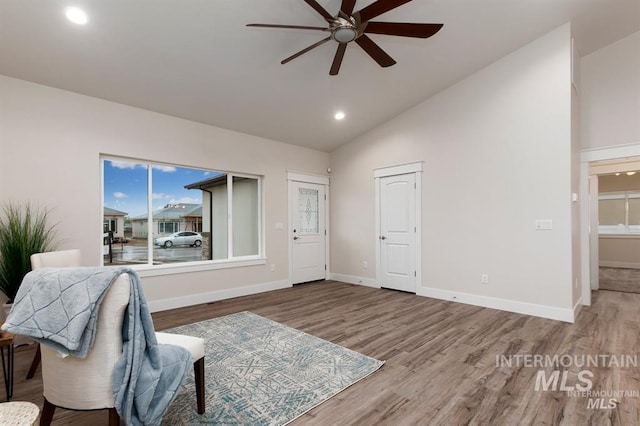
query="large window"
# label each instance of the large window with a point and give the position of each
(179, 214)
(619, 213)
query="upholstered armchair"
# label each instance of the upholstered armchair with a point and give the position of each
(86, 383)
(52, 259)
(56, 259)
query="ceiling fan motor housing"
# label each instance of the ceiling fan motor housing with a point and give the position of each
(343, 31)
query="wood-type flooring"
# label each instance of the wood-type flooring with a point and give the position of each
(442, 358)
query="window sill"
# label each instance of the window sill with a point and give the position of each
(158, 270)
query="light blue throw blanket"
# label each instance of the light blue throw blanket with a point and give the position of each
(59, 307)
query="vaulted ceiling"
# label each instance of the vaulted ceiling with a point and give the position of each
(196, 59)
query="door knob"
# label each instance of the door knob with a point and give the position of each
(295, 238)
(382, 237)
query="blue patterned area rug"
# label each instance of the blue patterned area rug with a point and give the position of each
(260, 372)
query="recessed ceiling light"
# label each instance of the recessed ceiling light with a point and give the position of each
(631, 173)
(339, 115)
(77, 16)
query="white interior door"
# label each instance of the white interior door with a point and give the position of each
(397, 237)
(308, 232)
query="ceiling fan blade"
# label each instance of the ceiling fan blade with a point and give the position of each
(321, 10)
(337, 60)
(378, 55)
(379, 7)
(347, 6)
(402, 29)
(298, 27)
(305, 50)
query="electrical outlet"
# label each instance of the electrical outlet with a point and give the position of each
(484, 278)
(273, 267)
(365, 265)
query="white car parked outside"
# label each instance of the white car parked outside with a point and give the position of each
(184, 238)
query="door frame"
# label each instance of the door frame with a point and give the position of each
(401, 169)
(318, 180)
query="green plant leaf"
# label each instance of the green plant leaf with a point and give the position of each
(24, 230)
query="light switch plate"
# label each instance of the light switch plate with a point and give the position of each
(544, 224)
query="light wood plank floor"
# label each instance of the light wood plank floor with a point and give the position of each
(440, 357)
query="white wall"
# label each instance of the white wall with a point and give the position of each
(50, 143)
(618, 251)
(498, 155)
(610, 94)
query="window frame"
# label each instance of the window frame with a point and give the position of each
(617, 230)
(149, 269)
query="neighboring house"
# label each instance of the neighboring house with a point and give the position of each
(193, 220)
(169, 219)
(114, 222)
(216, 214)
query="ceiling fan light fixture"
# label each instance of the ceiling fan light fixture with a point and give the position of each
(345, 34)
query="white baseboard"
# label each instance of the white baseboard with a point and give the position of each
(212, 296)
(551, 312)
(614, 264)
(576, 308)
(350, 279)
(567, 315)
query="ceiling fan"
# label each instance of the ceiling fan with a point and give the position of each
(348, 26)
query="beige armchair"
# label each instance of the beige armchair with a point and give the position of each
(56, 259)
(52, 259)
(86, 384)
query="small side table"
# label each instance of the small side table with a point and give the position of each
(6, 341)
(19, 413)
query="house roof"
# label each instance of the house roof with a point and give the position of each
(113, 212)
(208, 183)
(195, 213)
(201, 62)
(173, 212)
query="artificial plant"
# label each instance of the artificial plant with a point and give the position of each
(24, 230)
